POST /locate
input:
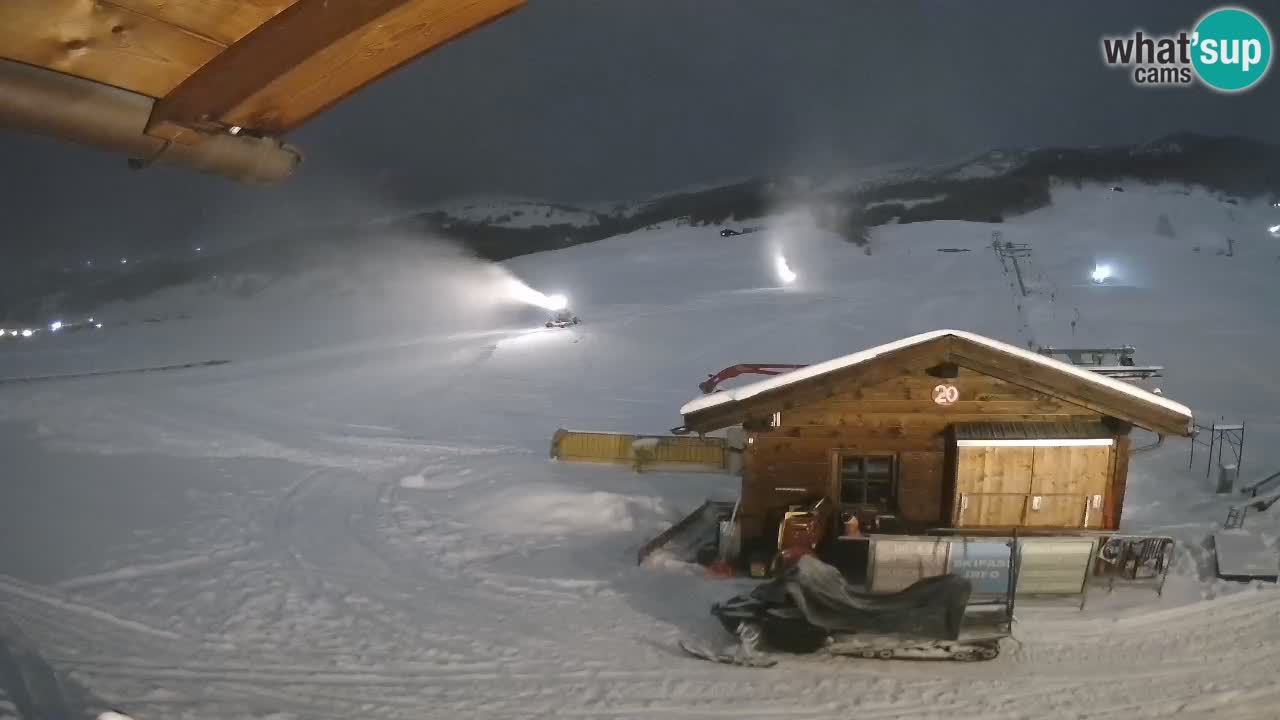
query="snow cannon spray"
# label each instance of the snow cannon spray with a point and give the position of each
(520, 292)
(783, 270)
(558, 304)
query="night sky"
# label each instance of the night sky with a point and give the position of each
(595, 100)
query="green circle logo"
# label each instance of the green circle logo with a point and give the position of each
(1231, 49)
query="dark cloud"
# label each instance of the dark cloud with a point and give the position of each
(589, 100)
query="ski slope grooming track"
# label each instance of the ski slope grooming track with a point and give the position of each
(368, 525)
(103, 373)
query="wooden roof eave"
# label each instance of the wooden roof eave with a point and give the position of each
(264, 66)
(310, 56)
(1106, 401)
(1098, 398)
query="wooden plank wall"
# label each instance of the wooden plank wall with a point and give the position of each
(996, 486)
(920, 486)
(994, 482)
(1119, 483)
(896, 416)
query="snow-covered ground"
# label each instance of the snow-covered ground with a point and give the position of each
(356, 516)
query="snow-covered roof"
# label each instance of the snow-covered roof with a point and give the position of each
(778, 381)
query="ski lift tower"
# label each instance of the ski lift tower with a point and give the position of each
(1222, 437)
(1010, 252)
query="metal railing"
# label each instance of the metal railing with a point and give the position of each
(1252, 490)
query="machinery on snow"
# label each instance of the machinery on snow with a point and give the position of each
(562, 318)
(810, 608)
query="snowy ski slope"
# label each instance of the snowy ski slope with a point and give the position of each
(356, 516)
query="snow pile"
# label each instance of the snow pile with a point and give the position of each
(416, 482)
(556, 511)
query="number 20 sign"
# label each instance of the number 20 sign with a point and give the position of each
(946, 394)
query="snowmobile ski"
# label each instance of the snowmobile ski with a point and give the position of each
(963, 650)
(741, 659)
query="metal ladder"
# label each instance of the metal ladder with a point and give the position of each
(1235, 517)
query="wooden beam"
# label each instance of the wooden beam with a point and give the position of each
(1097, 398)
(804, 445)
(102, 42)
(995, 408)
(841, 383)
(222, 21)
(1114, 507)
(312, 55)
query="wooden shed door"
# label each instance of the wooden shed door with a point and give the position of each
(1032, 485)
(1071, 484)
(992, 485)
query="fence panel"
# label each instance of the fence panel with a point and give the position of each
(642, 452)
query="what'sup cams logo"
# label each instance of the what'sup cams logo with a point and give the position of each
(1228, 50)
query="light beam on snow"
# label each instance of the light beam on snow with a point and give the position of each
(27, 333)
(527, 338)
(1101, 273)
(1274, 229)
(784, 271)
(55, 326)
(519, 291)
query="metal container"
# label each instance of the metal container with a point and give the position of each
(984, 562)
(1227, 475)
(1054, 566)
(897, 562)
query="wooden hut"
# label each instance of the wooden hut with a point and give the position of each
(946, 429)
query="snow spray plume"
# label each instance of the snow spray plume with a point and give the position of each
(519, 291)
(343, 286)
(784, 271)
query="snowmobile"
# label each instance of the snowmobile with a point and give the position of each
(563, 318)
(810, 608)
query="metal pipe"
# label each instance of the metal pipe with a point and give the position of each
(89, 113)
(1159, 441)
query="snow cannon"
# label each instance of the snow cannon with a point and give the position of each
(562, 318)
